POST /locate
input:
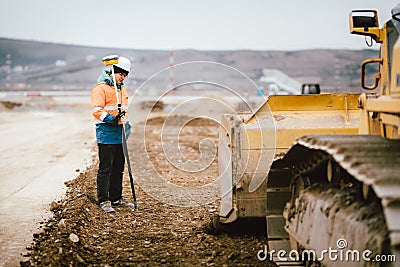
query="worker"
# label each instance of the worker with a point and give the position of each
(109, 120)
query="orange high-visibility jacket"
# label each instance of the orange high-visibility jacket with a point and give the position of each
(104, 110)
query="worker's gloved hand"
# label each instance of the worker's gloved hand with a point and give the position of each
(120, 114)
(115, 120)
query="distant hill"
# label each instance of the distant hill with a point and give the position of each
(39, 65)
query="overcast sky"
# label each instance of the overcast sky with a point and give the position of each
(201, 24)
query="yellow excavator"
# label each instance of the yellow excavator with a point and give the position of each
(322, 170)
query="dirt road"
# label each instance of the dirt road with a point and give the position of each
(38, 153)
(157, 234)
(39, 150)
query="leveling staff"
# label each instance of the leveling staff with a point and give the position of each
(109, 134)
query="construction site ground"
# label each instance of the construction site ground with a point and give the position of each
(79, 233)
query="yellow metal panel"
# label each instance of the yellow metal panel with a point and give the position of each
(257, 138)
(390, 119)
(322, 102)
(286, 137)
(254, 160)
(395, 75)
(383, 104)
(291, 125)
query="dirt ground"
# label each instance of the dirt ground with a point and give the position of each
(157, 233)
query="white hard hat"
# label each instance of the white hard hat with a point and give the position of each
(124, 63)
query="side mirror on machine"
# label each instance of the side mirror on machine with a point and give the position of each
(365, 22)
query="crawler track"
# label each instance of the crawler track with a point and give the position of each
(343, 186)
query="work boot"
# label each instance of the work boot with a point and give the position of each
(122, 203)
(106, 206)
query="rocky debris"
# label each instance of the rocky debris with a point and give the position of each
(81, 234)
(10, 104)
(153, 105)
(61, 225)
(53, 206)
(25, 263)
(74, 238)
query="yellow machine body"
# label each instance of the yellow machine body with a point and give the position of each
(320, 168)
(249, 144)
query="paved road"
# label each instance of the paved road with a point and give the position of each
(38, 152)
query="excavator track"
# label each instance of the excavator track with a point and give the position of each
(344, 187)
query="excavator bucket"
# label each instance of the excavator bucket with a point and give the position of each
(250, 146)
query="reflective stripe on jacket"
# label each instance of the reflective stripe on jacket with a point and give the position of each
(104, 110)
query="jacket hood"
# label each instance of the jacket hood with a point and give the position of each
(105, 77)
